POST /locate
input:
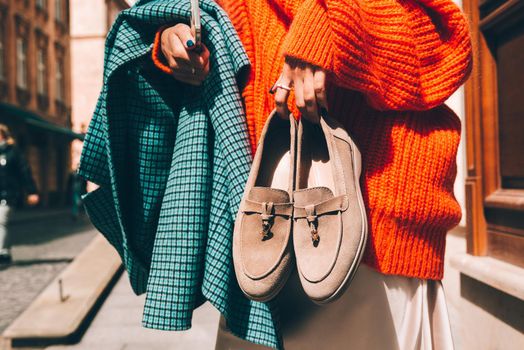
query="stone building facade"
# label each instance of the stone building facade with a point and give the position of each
(90, 23)
(35, 99)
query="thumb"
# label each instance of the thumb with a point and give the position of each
(183, 32)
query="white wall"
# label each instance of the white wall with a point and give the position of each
(456, 102)
(88, 31)
(482, 317)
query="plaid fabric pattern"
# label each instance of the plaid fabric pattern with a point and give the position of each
(172, 161)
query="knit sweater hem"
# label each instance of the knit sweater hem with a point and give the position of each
(405, 251)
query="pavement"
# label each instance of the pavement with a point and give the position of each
(44, 242)
(117, 326)
(43, 248)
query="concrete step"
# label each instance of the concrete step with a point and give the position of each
(59, 314)
(28, 215)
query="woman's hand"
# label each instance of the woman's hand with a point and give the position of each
(188, 63)
(309, 83)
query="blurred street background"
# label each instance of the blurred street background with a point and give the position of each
(51, 54)
(56, 282)
(62, 285)
(42, 247)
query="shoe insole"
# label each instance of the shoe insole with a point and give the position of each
(276, 161)
(315, 166)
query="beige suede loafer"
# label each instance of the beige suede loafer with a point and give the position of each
(330, 225)
(262, 248)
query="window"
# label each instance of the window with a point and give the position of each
(59, 13)
(41, 72)
(2, 50)
(21, 63)
(41, 4)
(59, 79)
(41, 69)
(495, 106)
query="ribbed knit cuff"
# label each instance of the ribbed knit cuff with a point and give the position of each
(156, 54)
(309, 37)
(395, 249)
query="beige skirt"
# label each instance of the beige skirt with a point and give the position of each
(376, 312)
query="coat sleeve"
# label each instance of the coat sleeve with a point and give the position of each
(24, 171)
(401, 54)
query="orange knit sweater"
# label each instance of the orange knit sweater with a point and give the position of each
(392, 64)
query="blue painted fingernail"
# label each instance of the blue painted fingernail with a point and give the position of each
(190, 43)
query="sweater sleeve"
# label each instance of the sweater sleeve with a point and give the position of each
(156, 53)
(401, 54)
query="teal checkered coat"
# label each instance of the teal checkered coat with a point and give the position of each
(172, 161)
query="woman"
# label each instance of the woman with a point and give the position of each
(383, 68)
(15, 178)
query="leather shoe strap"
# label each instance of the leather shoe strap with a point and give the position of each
(331, 205)
(279, 209)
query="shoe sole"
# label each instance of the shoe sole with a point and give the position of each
(357, 169)
(286, 270)
(275, 292)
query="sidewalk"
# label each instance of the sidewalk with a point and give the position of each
(117, 326)
(44, 242)
(21, 216)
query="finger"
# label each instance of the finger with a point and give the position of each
(287, 70)
(187, 73)
(196, 60)
(282, 95)
(204, 55)
(205, 71)
(188, 80)
(197, 76)
(178, 53)
(183, 31)
(310, 100)
(298, 83)
(187, 59)
(182, 67)
(320, 88)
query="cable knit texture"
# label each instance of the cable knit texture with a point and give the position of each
(392, 64)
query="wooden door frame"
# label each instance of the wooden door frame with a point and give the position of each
(483, 182)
